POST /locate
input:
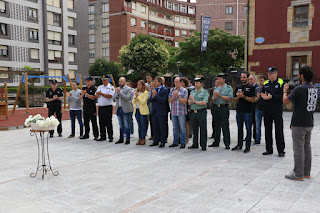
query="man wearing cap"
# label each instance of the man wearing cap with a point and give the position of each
(272, 94)
(198, 107)
(54, 97)
(89, 109)
(104, 94)
(221, 98)
(123, 109)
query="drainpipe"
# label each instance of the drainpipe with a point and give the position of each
(237, 33)
(248, 15)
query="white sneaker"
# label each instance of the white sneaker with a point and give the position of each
(131, 135)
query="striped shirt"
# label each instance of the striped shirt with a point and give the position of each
(178, 108)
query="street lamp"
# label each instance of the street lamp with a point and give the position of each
(178, 64)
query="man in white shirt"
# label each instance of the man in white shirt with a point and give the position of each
(104, 95)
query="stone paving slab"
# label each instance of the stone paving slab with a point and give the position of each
(104, 177)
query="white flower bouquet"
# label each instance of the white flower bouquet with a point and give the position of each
(38, 122)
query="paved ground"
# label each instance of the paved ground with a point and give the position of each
(104, 177)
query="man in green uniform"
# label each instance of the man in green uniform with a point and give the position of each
(221, 98)
(198, 107)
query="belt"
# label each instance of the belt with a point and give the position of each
(199, 110)
(220, 105)
(104, 106)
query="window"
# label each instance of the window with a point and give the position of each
(169, 6)
(229, 26)
(105, 8)
(143, 24)
(133, 5)
(33, 13)
(106, 52)
(297, 63)
(70, 22)
(190, 33)
(92, 38)
(183, 9)
(34, 34)
(301, 16)
(91, 9)
(53, 72)
(72, 74)
(229, 10)
(2, 7)
(153, 26)
(168, 17)
(177, 19)
(71, 57)
(71, 39)
(105, 37)
(56, 20)
(177, 32)
(54, 3)
(34, 54)
(184, 33)
(143, 9)
(54, 56)
(176, 44)
(3, 51)
(4, 75)
(54, 38)
(244, 10)
(105, 22)
(132, 35)
(92, 53)
(70, 4)
(153, 13)
(3, 29)
(191, 10)
(244, 25)
(91, 24)
(184, 20)
(133, 22)
(176, 7)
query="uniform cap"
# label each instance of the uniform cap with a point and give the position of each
(272, 69)
(89, 78)
(223, 75)
(199, 79)
(54, 81)
(105, 77)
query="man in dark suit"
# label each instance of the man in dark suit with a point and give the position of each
(159, 113)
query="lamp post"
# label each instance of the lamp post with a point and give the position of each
(178, 64)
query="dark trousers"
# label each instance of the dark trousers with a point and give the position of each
(105, 121)
(57, 111)
(199, 120)
(159, 125)
(150, 121)
(213, 123)
(247, 119)
(73, 115)
(90, 115)
(269, 118)
(221, 118)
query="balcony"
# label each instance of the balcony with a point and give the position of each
(126, 9)
(161, 33)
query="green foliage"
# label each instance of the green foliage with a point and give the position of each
(27, 68)
(103, 67)
(224, 51)
(144, 54)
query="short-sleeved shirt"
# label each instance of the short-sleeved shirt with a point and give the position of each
(304, 98)
(107, 90)
(87, 101)
(244, 106)
(201, 95)
(226, 90)
(56, 103)
(178, 108)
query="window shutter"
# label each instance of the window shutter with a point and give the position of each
(49, 18)
(50, 55)
(57, 36)
(2, 5)
(34, 53)
(57, 54)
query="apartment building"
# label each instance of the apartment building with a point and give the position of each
(46, 35)
(228, 15)
(113, 24)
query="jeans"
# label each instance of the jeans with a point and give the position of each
(142, 121)
(259, 115)
(124, 120)
(179, 121)
(131, 124)
(73, 115)
(247, 119)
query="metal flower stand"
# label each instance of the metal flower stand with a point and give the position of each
(43, 153)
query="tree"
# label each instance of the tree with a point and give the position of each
(103, 67)
(224, 51)
(144, 54)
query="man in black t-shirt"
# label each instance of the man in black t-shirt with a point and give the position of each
(89, 109)
(304, 99)
(54, 97)
(245, 97)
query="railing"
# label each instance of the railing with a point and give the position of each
(161, 32)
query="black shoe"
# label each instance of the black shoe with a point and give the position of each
(127, 142)
(281, 154)
(110, 140)
(182, 146)
(193, 147)
(267, 153)
(154, 144)
(96, 139)
(162, 145)
(214, 145)
(256, 143)
(51, 136)
(246, 150)
(119, 141)
(71, 136)
(173, 145)
(60, 135)
(84, 137)
(236, 148)
(227, 147)
(100, 139)
(204, 148)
